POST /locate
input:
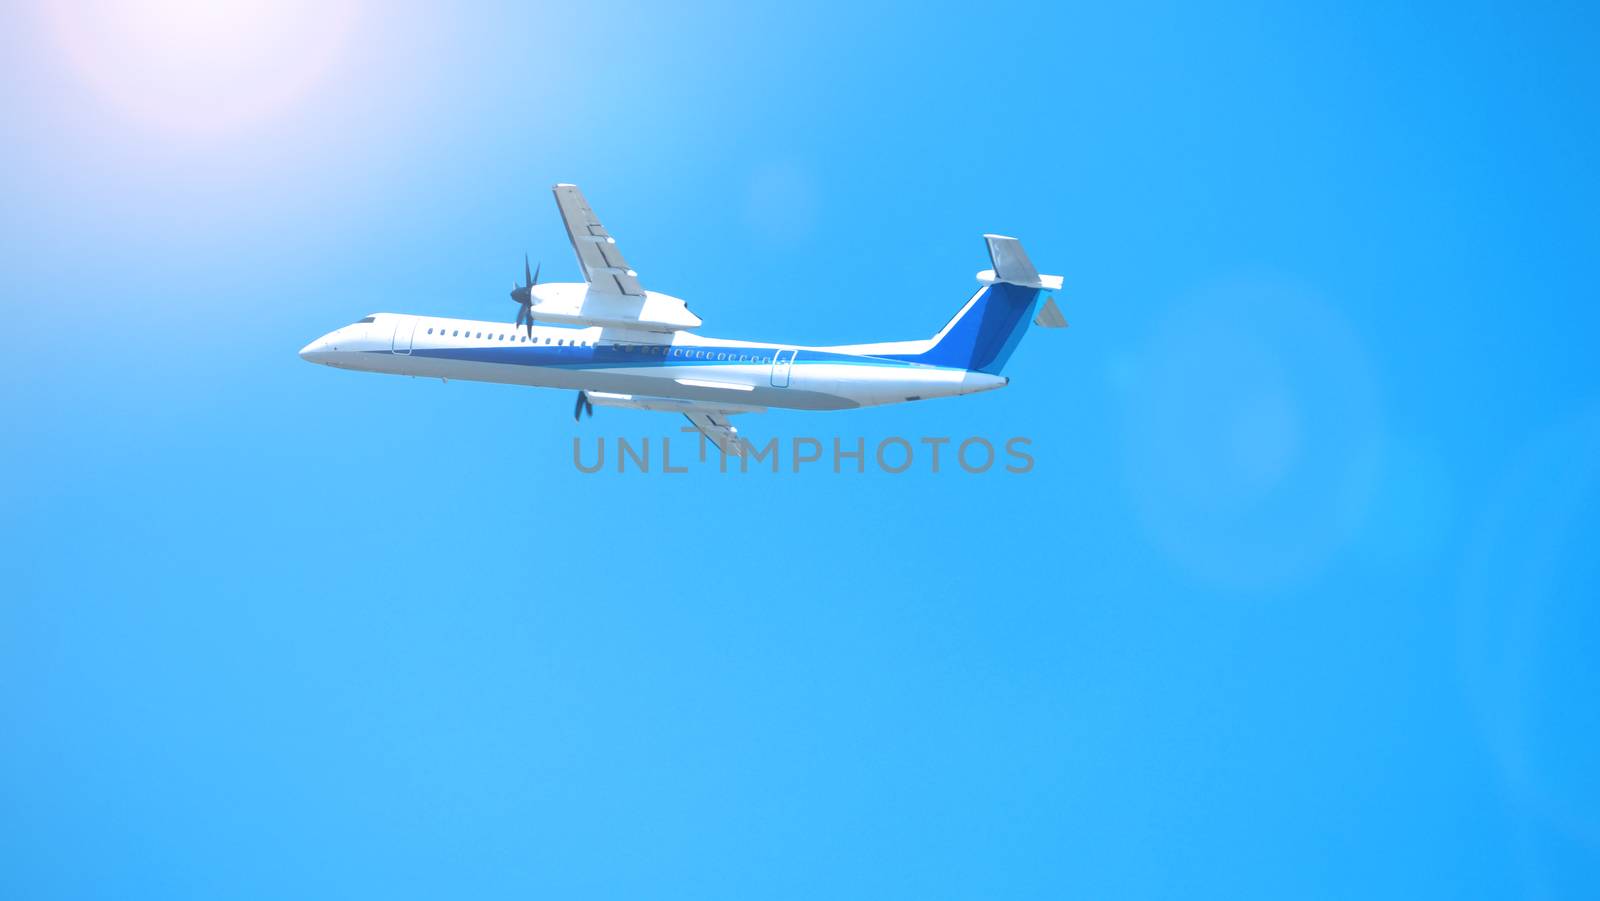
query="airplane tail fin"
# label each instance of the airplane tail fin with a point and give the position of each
(983, 334)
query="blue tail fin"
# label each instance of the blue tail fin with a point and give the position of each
(986, 331)
(983, 334)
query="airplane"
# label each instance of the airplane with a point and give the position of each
(620, 345)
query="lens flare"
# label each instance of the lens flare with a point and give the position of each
(1251, 428)
(201, 68)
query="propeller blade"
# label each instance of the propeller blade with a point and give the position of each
(536, 269)
(521, 308)
(525, 273)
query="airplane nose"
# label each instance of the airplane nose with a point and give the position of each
(317, 351)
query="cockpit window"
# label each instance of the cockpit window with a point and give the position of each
(369, 319)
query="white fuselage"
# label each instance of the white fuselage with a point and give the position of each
(668, 365)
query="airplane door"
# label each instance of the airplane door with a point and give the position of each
(404, 329)
(780, 368)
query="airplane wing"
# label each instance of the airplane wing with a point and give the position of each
(603, 266)
(721, 432)
(710, 418)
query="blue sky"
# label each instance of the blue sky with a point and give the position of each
(1297, 600)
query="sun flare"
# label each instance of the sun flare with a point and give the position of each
(195, 67)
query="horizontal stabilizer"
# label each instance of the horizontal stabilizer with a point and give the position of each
(1011, 263)
(1012, 266)
(1049, 315)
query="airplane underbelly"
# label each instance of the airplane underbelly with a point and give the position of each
(870, 384)
(710, 384)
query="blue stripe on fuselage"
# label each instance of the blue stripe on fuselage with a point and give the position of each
(580, 357)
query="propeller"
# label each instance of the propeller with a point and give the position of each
(583, 406)
(523, 294)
